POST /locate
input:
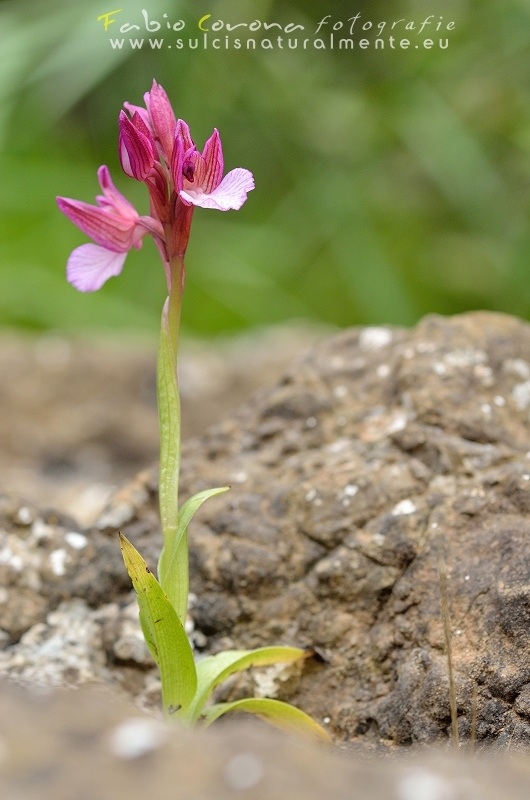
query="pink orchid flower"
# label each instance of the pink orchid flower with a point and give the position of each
(158, 150)
(199, 177)
(114, 225)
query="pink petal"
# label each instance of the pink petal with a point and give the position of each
(162, 117)
(112, 197)
(183, 132)
(177, 162)
(139, 122)
(144, 114)
(89, 266)
(136, 149)
(183, 151)
(231, 192)
(213, 162)
(106, 228)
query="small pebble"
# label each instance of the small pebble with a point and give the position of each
(41, 531)
(76, 540)
(404, 507)
(244, 771)
(340, 391)
(58, 560)
(11, 559)
(24, 516)
(136, 737)
(420, 784)
(374, 338)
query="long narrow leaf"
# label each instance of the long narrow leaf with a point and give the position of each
(164, 633)
(213, 670)
(282, 715)
(173, 563)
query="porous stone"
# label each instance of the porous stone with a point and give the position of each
(392, 457)
(381, 463)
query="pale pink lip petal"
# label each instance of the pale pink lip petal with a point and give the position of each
(230, 194)
(90, 265)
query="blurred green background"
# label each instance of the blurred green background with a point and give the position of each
(390, 183)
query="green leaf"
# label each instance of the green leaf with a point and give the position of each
(173, 563)
(164, 635)
(175, 582)
(213, 670)
(281, 715)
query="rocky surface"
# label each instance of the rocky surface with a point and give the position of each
(78, 418)
(381, 459)
(85, 744)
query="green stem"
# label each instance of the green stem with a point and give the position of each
(175, 585)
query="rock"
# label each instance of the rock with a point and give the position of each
(82, 415)
(87, 744)
(382, 458)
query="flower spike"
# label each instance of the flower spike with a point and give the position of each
(157, 149)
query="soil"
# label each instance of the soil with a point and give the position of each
(382, 464)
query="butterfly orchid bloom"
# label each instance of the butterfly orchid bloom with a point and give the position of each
(156, 149)
(199, 177)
